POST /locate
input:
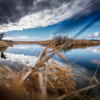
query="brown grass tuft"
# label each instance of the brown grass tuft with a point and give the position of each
(3, 44)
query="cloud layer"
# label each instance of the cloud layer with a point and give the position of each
(24, 14)
(96, 34)
(15, 38)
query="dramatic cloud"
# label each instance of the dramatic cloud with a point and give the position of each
(24, 14)
(96, 34)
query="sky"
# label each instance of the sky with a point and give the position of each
(35, 20)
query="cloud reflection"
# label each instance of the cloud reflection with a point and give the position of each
(94, 49)
(21, 59)
(95, 61)
(26, 46)
(18, 60)
(15, 61)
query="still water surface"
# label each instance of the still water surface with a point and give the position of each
(85, 60)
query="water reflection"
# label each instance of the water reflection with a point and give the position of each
(2, 53)
(20, 55)
(94, 49)
(3, 56)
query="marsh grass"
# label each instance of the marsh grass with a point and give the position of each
(59, 41)
(46, 81)
(3, 44)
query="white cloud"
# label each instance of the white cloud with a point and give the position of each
(49, 16)
(96, 34)
(53, 36)
(8, 38)
(15, 38)
(70, 37)
(50, 37)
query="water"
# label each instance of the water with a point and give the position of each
(86, 59)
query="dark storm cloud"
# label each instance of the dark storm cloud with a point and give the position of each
(14, 10)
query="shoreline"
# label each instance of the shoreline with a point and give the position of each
(58, 43)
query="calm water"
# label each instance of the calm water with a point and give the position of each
(86, 59)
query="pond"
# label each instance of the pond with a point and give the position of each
(84, 60)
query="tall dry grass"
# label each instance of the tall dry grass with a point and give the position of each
(3, 44)
(3, 49)
(59, 41)
(46, 81)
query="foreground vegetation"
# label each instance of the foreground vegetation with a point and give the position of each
(46, 81)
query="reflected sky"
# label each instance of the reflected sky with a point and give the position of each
(83, 58)
(29, 49)
(95, 49)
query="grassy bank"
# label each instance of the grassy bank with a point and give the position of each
(10, 42)
(3, 44)
(46, 81)
(70, 43)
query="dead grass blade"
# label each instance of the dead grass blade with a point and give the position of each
(60, 55)
(89, 87)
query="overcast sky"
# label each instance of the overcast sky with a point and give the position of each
(42, 19)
